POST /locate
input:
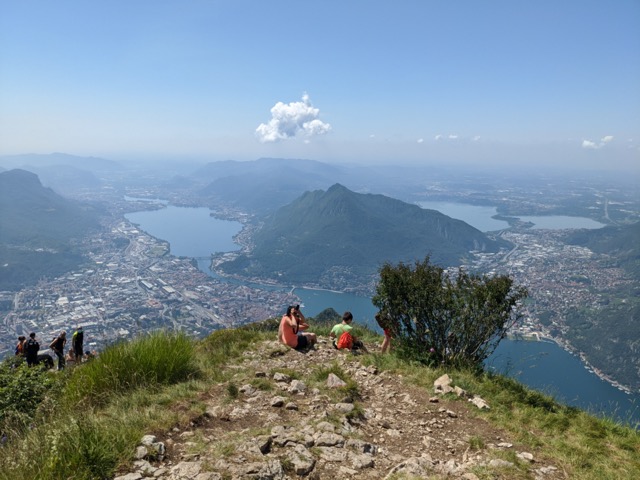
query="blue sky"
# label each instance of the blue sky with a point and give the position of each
(513, 82)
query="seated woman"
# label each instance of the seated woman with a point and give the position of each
(71, 357)
(291, 331)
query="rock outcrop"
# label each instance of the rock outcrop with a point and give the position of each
(326, 415)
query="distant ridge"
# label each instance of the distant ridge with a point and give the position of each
(337, 237)
(53, 159)
(37, 229)
(265, 184)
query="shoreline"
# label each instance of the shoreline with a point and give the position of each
(539, 337)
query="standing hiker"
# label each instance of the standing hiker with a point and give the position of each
(57, 345)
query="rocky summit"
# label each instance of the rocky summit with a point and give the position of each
(325, 414)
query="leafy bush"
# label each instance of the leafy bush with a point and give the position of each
(22, 389)
(437, 319)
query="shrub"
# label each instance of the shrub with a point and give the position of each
(439, 319)
(22, 389)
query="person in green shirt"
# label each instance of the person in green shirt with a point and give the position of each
(342, 336)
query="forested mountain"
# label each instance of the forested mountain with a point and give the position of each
(610, 334)
(37, 229)
(337, 237)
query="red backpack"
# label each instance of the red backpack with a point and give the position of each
(345, 341)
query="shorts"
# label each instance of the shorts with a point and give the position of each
(387, 332)
(302, 342)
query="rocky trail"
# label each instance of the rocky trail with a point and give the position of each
(287, 415)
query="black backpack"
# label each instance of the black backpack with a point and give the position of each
(32, 347)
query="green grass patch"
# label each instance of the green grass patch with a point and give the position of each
(159, 358)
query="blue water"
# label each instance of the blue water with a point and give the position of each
(540, 365)
(480, 217)
(556, 222)
(543, 366)
(191, 232)
(475, 215)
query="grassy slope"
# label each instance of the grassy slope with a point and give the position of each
(91, 420)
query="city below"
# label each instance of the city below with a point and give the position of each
(140, 287)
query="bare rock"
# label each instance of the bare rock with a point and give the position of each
(415, 466)
(328, 439)
(443, 384)
(130, 476)
(281, 377)
(479, 402)
(333, 381)
(361, 461)
(302, 460)
(525, 457)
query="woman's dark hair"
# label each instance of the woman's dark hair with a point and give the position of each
(347, 317)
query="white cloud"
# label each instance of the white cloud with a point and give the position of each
(476, 138)
(290, 120)
(594, 146)
(438, 137)
(420, 140)
(453, 137)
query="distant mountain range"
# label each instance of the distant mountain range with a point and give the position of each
(37, 229)
(338, 237)
(55, 159)
(64, 173)
(262, 185)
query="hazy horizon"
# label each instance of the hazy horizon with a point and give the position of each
(415, 82)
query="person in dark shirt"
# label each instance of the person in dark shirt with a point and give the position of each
(57, 345)
(77, 340)
(31, 349)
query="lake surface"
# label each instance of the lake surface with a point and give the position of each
(480, 217)
(475, 215)
(557, 222)
(192, 232)
(544, 366)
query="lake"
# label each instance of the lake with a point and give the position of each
(192, 232)
(480, 217)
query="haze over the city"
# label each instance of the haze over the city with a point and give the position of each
(501, 82)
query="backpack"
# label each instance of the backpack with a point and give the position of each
(345, 341)
(32, 347)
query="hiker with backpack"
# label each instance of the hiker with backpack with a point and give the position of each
(31, 349)
(19, 351)
(342, 336)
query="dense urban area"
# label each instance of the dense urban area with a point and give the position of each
(133, 284)
(131, 290)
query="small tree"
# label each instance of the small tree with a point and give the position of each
(454, 321)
